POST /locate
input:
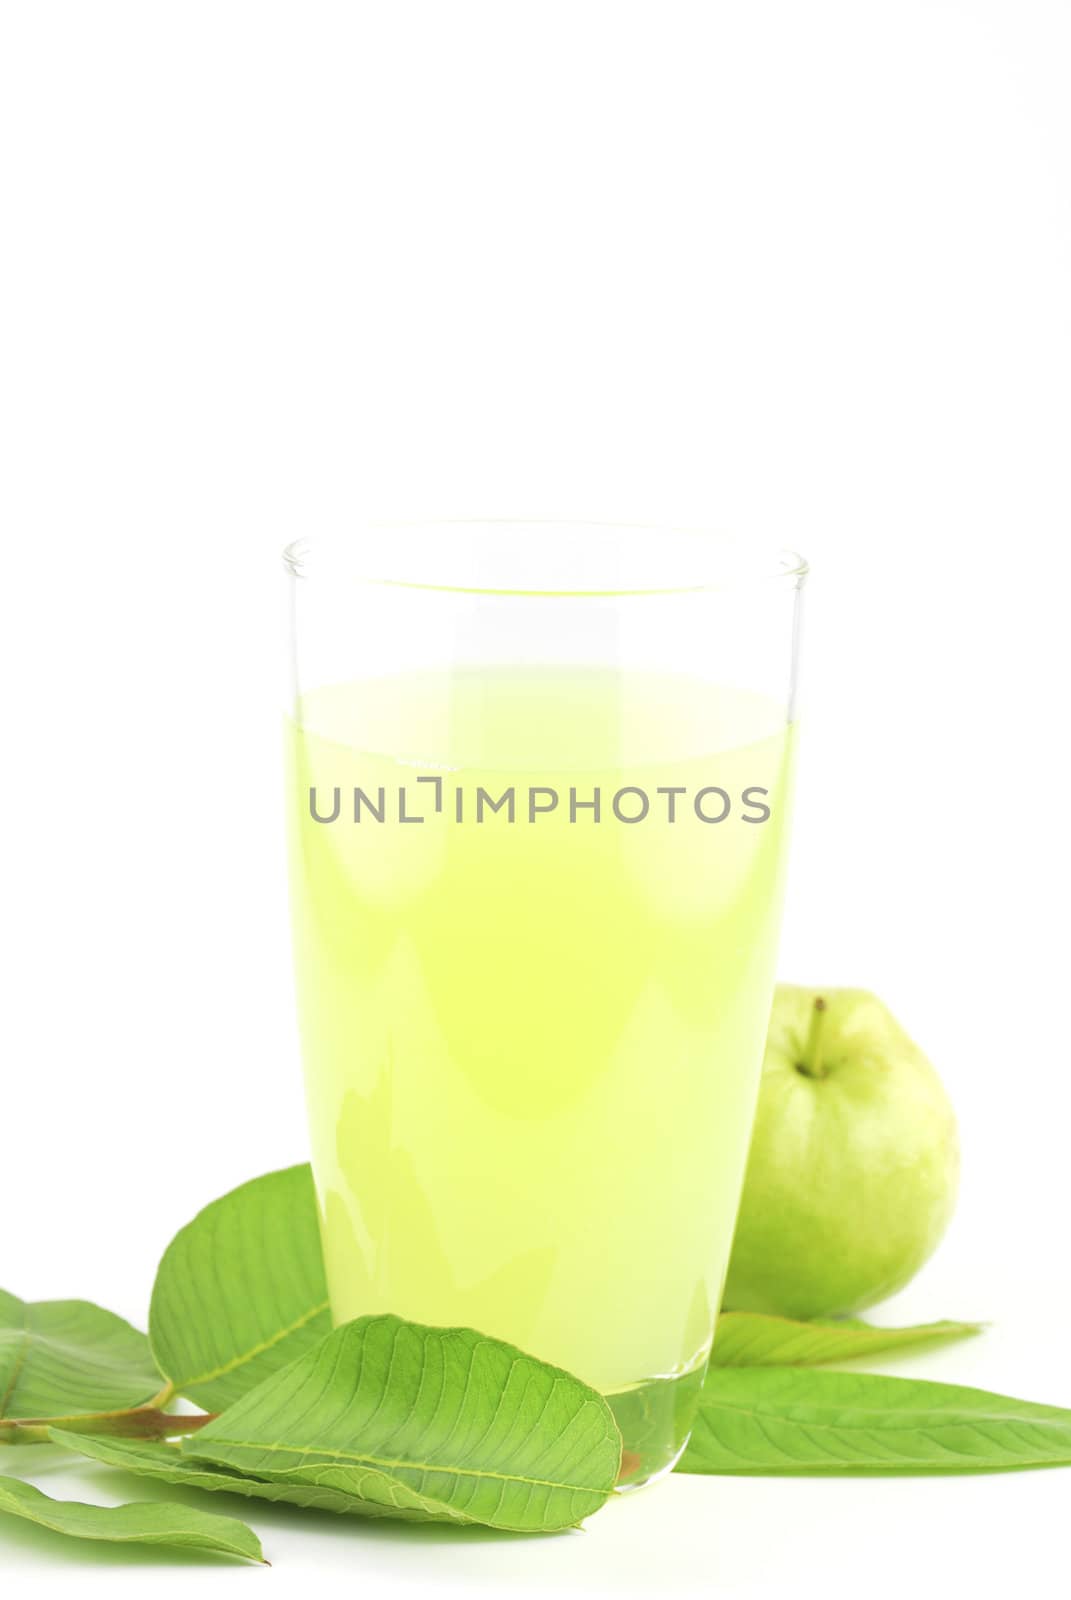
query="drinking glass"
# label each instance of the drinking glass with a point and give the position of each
(539, 783)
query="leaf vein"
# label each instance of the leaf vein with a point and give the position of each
(257, 1349)
(379, 1463)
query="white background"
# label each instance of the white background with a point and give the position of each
(798, 271)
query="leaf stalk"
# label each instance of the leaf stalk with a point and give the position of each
(139, 1422)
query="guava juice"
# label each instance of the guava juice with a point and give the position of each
(532, 1028)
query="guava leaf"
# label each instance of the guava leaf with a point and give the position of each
(167, 1465)
(66, 1357)
(439, 1423)
(783, 1420)
(752, 1339)
(240, 1291)
(155, 1522)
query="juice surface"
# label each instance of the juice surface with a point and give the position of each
(532, 1046)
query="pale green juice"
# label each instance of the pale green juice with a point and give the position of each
(532, 1046)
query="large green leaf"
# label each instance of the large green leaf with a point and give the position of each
(240, 1291)
(168, 1465)
(753, 1339)
(431, 1422)
(154, 1522)
(63, 1357)
(787, 1421)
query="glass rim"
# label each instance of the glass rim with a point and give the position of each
(742, 563)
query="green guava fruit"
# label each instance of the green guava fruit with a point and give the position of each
(854, 1163)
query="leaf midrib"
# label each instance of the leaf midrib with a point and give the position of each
(20, 1362)
(870, 1336)
(19, 1498)
(257, 1349)
(917, 1421)
(94, 1359)
(383, 1463)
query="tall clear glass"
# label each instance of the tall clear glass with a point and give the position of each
(539, 785)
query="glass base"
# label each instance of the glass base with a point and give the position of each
(655, 1419)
